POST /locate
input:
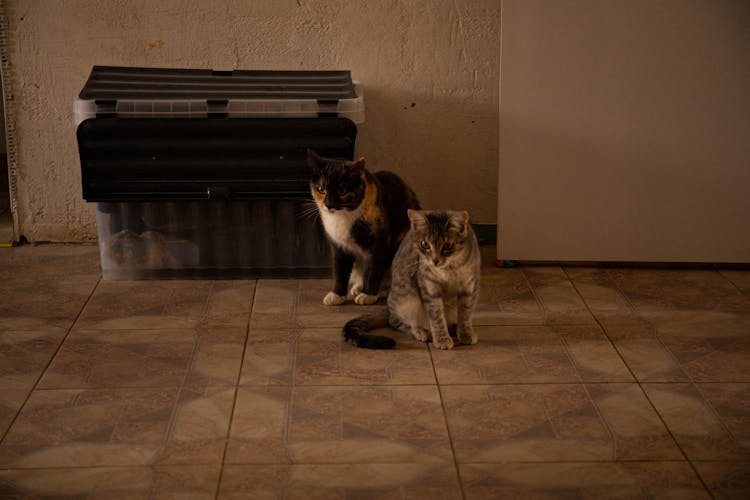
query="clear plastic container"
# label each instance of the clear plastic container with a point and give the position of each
(239, 239)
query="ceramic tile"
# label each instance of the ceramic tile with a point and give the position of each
(582, 480)
(645, 353)
(46, 286)
(322, 358)
(122, 427)
(709, 421)
(506, 298)
(23, 357)
(703, 346)
(11, 401)
(532, 354)
(726, 480)
(653, 291)
(128, 483)
(269, 357)
(274, 304)
(25, 354)
(327, 481)
(601, 295)
(739, 278)
(312, 312)
(562, 422)
(561, 302)
(168, 304)
(318, 356)
(299, 304)
(147, 358)
(363, 424)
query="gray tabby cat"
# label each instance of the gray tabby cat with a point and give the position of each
(434, 284)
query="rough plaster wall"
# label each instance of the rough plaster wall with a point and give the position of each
(429, 70)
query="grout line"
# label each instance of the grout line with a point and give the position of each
(51, 359)
(344, 464)
(236, 393)
(447, 426)
(735, 285)
(638, 382)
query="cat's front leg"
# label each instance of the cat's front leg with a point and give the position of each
(375, 270)
(342, 268)
(467, 300)
(436, 319)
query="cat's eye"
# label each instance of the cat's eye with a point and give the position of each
(424, 245)
(321, 189)
(448, 248)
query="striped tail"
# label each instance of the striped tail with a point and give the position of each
(355, 331)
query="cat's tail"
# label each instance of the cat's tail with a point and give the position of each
(355, 331)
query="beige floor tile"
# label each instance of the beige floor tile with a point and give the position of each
(639, 345)
(328, 481)
(601, 295)
(653, 291)
(319, 356)
(23, 357)
(726, 480)
(147, 358)
(709, 421)
(532, 354)
(506, 298)
(11, 401)
(46, 286)
(739, 278)
(128, 483)
(119, 427)
(702, 346)
(25, 354)
(154, 304)
(362, 424)
(269, 357)
(299, 304)
(560, 300)
(562, 422)
(582, 480)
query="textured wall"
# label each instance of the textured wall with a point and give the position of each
(429, 69)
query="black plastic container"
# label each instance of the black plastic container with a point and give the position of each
(202, 174)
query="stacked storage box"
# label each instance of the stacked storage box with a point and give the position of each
(200, 173)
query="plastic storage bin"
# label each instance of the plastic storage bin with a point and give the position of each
(203, 174)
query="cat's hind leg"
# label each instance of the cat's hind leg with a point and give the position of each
(414, 322)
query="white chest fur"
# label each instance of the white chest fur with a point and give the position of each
(338, 225)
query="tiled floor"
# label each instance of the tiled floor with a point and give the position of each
(586, 383)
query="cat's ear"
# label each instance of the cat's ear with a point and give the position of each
(359, 164)
(417, 219)
(460, 222)
(313, 159)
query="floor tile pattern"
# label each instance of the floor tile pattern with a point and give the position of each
(587, 382)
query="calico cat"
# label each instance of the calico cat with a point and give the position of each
(434, 284)
(364, 215)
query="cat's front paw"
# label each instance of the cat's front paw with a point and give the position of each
(468, 337)
(421, 334)
(364, 299)
(355, 290)
(333, 299)
(443, 342)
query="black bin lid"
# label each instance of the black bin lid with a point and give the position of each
(128, 92)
